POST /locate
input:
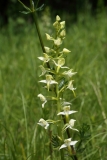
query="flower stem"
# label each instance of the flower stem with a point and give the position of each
(38, 29)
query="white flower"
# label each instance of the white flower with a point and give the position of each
(43, 123)
(60, 63)
(68, 143)
(66, 111)
(69, 73)
(70, 125)
(48, 81)
(46, 58)
(70, 86)
(58, 41)
(43, 99)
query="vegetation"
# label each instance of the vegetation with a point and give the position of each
(20, 109)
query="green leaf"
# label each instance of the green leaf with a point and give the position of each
(27, 8)
(55, 141)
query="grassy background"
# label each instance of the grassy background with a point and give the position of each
(20, 109)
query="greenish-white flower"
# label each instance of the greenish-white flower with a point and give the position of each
(58, 41)
(69, 73)
(48, 81)
(43, 123)
(70, 86)
(61, 62)
(45, 59)
(66, 111)
(68, 143)
(43, 99)
(70, 125)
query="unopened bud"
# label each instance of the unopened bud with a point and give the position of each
(62, 34)
(66, 50)
(62, 24)
(47, 49)
(58, 42)
(48, 37)
(58, 18)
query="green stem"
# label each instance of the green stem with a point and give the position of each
(50, 144)
(37, 26)
(38, 31)
(58, 110)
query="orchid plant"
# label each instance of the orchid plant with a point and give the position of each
(57, 78)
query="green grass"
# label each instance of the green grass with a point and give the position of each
(20, 109)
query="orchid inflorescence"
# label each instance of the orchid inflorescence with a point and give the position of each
(57, 79)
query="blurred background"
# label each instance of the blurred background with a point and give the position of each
(9, 9)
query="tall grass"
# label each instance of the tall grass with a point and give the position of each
(20, 109)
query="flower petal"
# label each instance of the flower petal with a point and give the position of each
(63, 146)
(72, 143)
